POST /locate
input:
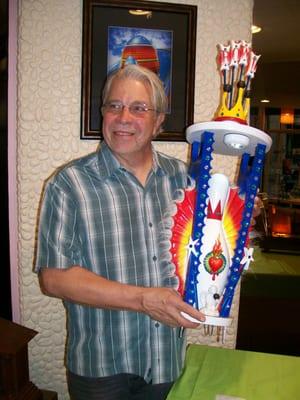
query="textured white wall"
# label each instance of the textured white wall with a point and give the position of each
(48, 125)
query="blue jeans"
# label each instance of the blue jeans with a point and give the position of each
(116, 387)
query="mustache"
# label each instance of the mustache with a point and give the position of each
(125, 127)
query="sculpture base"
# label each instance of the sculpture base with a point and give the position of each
(210, 320)
(223, 128)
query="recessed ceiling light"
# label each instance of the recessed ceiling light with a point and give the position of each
(265, 101)
(255, 29)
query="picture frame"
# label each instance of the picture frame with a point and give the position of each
(109, 29)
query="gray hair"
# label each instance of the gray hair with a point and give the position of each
(145, 75)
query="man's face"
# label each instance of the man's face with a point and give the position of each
(125, 133)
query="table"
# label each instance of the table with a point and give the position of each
(248, 375)
(274, 263)
(270, 288)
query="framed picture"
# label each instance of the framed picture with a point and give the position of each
(159, 36)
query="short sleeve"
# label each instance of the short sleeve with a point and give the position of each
(57, 241)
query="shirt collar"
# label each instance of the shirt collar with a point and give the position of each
(108, 164)
(159, 166)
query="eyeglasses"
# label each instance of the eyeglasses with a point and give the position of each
(136, 108)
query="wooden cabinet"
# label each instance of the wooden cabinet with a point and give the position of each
(283, 226)
(14, 373)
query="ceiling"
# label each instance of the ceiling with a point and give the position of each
(278, 71)
(279, 40)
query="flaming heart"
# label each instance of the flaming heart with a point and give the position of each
(215, 261)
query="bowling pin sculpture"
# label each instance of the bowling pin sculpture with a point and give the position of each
(209, 234)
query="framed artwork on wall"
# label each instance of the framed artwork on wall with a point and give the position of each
(158, 36)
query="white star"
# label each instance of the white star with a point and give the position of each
(191, 247)
(247, 257)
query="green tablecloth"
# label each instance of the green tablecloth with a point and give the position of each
(249, 375)
(274, 264)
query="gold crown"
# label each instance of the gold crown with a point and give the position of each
(237, 65)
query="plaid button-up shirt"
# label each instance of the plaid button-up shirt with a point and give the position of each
(97, 215)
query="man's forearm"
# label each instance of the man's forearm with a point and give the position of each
(84, 287)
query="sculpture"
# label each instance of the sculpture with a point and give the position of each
(209, 236)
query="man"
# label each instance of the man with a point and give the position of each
(98, 251)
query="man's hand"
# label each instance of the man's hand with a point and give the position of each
(258, 205)
(166, 305)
